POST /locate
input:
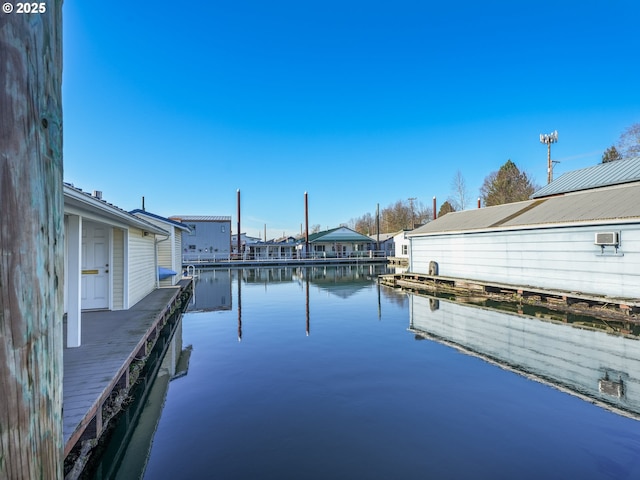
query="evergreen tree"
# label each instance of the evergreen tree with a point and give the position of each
(507, 185)
(445, 208)
(611, 154)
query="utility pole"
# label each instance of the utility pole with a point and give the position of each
(549, 139)
(411, 200)
(32, 243)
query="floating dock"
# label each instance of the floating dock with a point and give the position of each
(586, 304)
(114, 346)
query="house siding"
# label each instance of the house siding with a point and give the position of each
(117, 269)
(207, 240)
(553, 258)
(142, 272)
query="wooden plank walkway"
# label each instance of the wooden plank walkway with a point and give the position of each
(111, 340)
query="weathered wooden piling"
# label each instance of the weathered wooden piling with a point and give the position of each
(31, 243)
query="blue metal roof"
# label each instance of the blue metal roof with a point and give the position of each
(179, 225)
(601, 175)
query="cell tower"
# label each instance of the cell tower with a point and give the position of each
(549, 139)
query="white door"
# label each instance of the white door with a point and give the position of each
(95, 266)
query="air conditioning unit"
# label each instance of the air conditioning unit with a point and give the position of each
(607, 238)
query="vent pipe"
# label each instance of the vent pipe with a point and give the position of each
(434, 208)
(97, 194)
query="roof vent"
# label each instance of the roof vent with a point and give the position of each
(607, 238)
(97, 194)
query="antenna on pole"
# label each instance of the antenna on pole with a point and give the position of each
(549, 139)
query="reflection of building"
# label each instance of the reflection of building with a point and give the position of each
(212, 291)
(140, 422)
(208, 238)
(588, 363)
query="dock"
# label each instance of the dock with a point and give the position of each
(568, 301)
(114, 344)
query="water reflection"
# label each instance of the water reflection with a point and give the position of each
(595, 365)
(213, 288)
(130, 442)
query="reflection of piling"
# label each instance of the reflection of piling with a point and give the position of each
(307, 304)
(239, 307)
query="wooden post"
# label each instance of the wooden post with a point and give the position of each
(31, 243)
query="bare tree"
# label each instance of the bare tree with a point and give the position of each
(460, 195)
(629, 143)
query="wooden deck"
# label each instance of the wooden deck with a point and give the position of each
(111, 341)
(593, 305)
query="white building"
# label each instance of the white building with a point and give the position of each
(580, 233)
(110, 258)
(169, 249)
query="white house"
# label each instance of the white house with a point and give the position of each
(110, 257)
(208, 238)
(401, 244)
(169, 249)
(580, 233)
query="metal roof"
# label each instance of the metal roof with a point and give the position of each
(604, 205)
(601, 175)
(75, 199)
(340, 234)
(200, 218)
(176, 224)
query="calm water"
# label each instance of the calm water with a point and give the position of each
(321, 374)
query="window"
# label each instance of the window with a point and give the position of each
(405, 249)
(222, 228)
(192, 228)
(192, 248)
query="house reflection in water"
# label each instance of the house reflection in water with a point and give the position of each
(595, 365)
(211, 291)
(128, 449)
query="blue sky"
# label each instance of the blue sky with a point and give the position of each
(358, 103)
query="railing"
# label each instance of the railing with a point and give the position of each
(360, 256)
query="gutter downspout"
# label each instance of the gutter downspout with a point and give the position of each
(155, 254)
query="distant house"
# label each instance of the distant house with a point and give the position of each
(244, 241)
(110, 258)
(580, 233)
(169, 250)
(208, 238)
(385, 243)
(279, 248)
(337, 242)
